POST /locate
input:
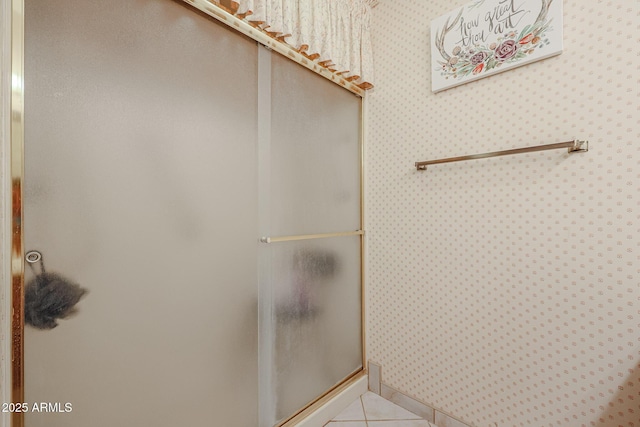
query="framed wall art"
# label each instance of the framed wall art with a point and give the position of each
(485, 37)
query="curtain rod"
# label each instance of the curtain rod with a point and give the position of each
(574, 146)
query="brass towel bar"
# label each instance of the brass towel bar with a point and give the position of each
(309, 236)
(573, 146)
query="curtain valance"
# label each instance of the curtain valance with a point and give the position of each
(334, 33)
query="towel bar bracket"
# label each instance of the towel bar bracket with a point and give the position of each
(579, 147)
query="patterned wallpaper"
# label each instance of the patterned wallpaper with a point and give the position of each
(506, 291)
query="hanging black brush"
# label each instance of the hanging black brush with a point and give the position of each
(48, 296)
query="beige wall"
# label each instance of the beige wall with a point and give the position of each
(507, 290)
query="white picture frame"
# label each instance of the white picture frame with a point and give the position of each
(485, 37)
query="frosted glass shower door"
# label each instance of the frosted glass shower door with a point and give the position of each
(140, 123)
(311, 182)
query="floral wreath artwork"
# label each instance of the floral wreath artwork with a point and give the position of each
(486, 37)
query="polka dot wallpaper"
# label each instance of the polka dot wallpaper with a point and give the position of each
(506, 291)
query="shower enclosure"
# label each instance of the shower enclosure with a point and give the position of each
(206, 192)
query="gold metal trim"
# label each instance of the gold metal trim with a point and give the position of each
(319, 402)
(362, 236)
(17, 172)
(282, 48)
(309, 236)
(574, 146)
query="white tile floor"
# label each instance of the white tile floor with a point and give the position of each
(371, 410)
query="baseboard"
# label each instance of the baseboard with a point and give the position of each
(411, 404)
(429, 413)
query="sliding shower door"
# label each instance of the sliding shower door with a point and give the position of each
(310, 220)
(192, 222)
(139, 187)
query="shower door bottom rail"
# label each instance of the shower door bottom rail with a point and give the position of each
(310, 236)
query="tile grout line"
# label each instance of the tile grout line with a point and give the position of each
(366, 420)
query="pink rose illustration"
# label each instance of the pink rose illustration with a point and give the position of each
(506, 50)
(478, 58)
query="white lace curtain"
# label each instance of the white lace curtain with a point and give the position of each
(336, 33)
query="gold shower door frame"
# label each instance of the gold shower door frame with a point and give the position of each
(16, 256)
(17, 237)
